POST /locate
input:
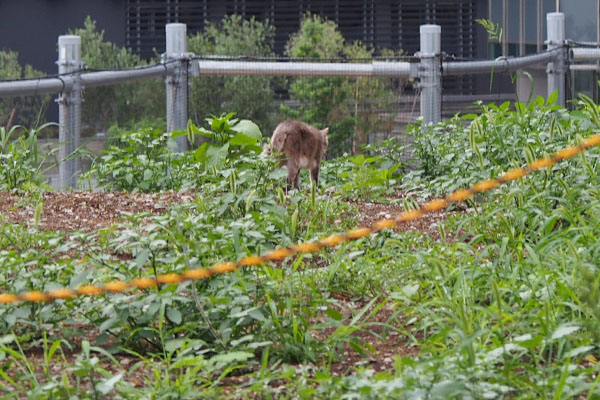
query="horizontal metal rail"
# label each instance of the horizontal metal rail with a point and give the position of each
(31, 87)
(498, 65)
(105, 78)
(40, 86)
(34, 87)
(583, 54)
(379, 68)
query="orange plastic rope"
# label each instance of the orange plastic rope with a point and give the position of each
(307, 247)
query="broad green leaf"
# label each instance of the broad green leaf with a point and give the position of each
(217, 154)
(142, 258)
(507, 348)
(108, 385)
(7, 339)
(174, 344)
(248, 128)
(564, 331)
(257, 314)
(278, 173)
(333, 314)
(241, 139)
(552, 98)
(176, 134)
(256, 345)
(410, 290)
(232, 357)
(108, 323)
(578, 350)
(174, 315)
(79, 278)
(200, 153)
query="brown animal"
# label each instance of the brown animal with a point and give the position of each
(302, 145)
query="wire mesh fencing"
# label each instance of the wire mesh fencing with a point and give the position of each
(359, 109)
(361, 100)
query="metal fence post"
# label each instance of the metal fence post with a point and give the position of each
(430, 74)
(177, 83)
(556, 70)
(69, 110)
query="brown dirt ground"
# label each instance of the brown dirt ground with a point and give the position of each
(91, 211)
(84, 210)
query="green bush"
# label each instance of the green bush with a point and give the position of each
(322, 99)
(123, 103)
(22, 166)
(347, 105)
(142, 160)
(28, 110)
(248, 96)
(472, 147)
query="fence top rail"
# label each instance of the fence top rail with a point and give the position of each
(103, 78)
(249, 66)
(287, 59)
(584, 54)
(376, 68)
(502, 64)
(35, 87)
(64, 83)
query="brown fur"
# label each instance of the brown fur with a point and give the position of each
(302, 145)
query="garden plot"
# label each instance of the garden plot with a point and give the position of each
(494, 297)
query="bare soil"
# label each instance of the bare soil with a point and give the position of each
(86, 211)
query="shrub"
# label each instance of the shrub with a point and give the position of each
(321, 98)
(22, 166)
(120, 104)
(27, 110)
(347, 105)
(247, 96)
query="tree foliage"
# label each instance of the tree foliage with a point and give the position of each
(321, 98)
(248, 96)
(349, 106)
(21, 110)
(123, 103)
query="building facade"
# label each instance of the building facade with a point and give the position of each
(523, 24)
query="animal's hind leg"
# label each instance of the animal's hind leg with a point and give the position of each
(293, 175)
(314, 175)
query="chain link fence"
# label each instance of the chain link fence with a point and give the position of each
(361, 100)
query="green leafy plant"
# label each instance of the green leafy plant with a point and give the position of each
(22, 166)
(24, 111)
(105, 106)
(368, 177)
(493, 298)
(141, 162)
(250, 96)
(229, 138)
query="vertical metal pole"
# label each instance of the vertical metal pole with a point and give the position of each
(177, 83)
(69, 111)
(430, 74)
(556, 70)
